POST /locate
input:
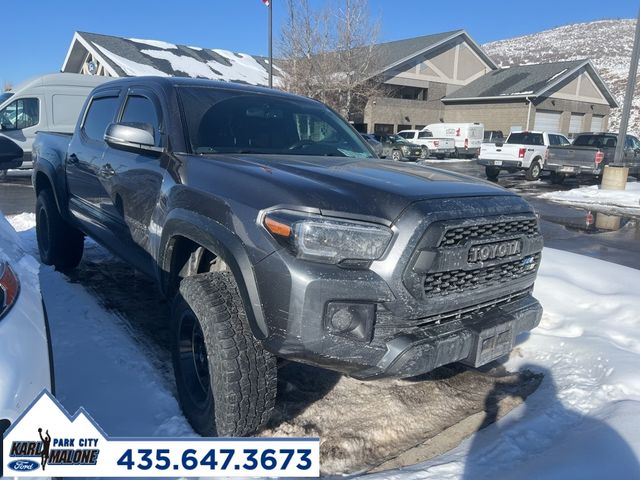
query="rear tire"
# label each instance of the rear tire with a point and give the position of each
(534, 171)
(425, 153)
(492, 172)
(226, 380)
(59, 244)
(396, 156)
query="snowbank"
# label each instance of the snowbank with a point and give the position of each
(584, 420)
(627, 201)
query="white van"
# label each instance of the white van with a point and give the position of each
(50, 103)
(468, 136)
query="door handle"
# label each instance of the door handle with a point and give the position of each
(106, 171)
(73, 159)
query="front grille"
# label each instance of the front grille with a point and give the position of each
(455, 236)
(456, 281)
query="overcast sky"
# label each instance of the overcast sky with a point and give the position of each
(37, 34)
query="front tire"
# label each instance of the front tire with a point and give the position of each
(396, 156)
(226, 380)
(59, 244)
(534, 171)
(492, 172)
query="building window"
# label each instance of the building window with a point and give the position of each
(418, 127)
(408, 93)
(383, 128)
(361, 127)
(403, 127)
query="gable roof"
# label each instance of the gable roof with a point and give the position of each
(521, 81)
(124, 57)
(392, 54)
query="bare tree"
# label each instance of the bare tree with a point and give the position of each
(7, 86)
(328, 53)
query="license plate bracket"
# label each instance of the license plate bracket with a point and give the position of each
(491, 343)
(497, 163)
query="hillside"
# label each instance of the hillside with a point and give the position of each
(607, 43)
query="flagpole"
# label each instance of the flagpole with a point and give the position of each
(270, 44)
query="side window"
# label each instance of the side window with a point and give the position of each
(563, 140)
(22, 113)
(139, 109)
(553, 140)
(100, 114)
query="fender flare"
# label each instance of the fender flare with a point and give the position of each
(216, 238)
(57, 182)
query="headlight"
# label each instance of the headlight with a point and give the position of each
(328, 240)
(405, 150)
(9, 288)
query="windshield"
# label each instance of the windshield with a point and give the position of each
(598, 141)
(399, 139)
(4, 96)
(526, 138)
(227, 121)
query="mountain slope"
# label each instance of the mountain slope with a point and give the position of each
(607, 43)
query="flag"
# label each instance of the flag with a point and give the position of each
(266, 2)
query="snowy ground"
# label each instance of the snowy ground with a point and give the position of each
(582, 422)
(613, 201)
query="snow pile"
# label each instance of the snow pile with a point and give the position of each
(584, 420)
(607, 43)
(623, 201)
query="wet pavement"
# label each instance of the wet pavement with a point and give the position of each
(607, 237)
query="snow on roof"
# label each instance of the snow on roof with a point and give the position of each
(155, 43)
(132, 69)
(136, 57)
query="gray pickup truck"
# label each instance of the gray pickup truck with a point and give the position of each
(588, 155)
(278, 233)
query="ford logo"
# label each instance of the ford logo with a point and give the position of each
(23, 465)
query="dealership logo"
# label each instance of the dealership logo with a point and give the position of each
(65, 451)
(491, 251)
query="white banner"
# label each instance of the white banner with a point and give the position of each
(46, 441)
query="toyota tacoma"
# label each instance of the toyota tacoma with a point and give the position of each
(278, 234)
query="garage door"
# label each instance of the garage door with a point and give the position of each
(596, 123)
(575, 124)
(547, 121)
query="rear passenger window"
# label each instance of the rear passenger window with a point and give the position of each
(425, 134)
(101, 113)
(140, 109)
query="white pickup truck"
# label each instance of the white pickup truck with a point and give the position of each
(438, 147)
(520, 151)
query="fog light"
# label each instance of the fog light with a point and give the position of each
(354, 320)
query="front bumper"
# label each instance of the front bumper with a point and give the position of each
(409, 335)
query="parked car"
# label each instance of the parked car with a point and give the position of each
(25, 356)
(47, 103)
(438, 147)
(375, 144)
(521, 151)
(588, 155)
(493, 136)
(399, 149)
(277, 233)
(467, 136)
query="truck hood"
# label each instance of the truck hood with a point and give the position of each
(379, 188)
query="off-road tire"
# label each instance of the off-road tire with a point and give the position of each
(242, 374)
(492, 172)
(396, 155)
(59, 243)
(534, 171)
